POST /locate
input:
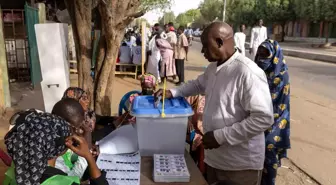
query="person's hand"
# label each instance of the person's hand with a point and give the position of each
(209, 141)
(78, 145)
(95, 151)
(160, 93)
(250, 51)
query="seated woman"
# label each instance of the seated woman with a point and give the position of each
(195, 131)
(148, 86)
(34, 144)
(91, 119)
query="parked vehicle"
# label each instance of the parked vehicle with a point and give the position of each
(198, 32)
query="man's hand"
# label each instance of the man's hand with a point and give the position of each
(78, 145)
(209, 141)
(160, 93)
(250, 51)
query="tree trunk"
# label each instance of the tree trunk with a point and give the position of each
(283, 32)
(81, 15)
(327, 32)
(115, 15)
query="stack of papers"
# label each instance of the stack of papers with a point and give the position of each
(121, 169)
(124, 140)
(170, 168)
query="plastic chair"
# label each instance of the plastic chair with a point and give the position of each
(122, 104)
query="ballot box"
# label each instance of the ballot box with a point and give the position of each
(52, 43)
(157, 134)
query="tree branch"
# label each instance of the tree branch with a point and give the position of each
(136, 14)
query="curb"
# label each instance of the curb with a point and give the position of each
(304, 55)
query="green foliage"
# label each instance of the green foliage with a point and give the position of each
(167, 17)
(188, 17)
(155, 4)
(211, 9)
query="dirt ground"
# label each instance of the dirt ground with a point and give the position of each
(318, 160)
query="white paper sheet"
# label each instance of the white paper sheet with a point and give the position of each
(121, 169)
(121, 141)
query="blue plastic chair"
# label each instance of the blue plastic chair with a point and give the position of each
(122, 104)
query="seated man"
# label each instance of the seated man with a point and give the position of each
(72, 112)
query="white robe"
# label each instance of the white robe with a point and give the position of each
(153, 59)
(258, 35)
(239, 39)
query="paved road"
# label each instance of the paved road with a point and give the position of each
(313, 113)
(312, 75)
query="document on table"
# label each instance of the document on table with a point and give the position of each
(121, 169)
(121, 141)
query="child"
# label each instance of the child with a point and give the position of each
(136, 53)
(36, 141)
(72, 112)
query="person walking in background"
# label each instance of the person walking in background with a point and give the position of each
(189, 33)
(181, 52)
(240, 38)
(154, 57)
(258, 35)
(167, 65)
(270, 59)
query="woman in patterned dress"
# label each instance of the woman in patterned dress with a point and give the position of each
(195, 131)
(270, 58)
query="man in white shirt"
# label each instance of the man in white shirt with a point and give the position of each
(258, 35)
(240, 38)
(238, 109)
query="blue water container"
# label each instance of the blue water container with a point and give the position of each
(157, 135)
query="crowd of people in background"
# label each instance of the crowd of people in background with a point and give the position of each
(166, 51)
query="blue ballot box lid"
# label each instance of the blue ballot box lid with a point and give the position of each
(145, 106)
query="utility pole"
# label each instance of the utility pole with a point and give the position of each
(224, 10)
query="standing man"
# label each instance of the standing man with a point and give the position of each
(181, 52)
(240, 38)
(258, 35)
(238, 109)
(189, 34)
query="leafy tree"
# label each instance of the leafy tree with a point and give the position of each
(167, 17)
(114, 16)
(183, 19)
(211, 9)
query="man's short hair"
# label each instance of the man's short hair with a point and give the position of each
(70, 110)
(181, 28)
(156, 24)
(170, 24)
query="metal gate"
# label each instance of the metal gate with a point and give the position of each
(31, 16)
(16, 45)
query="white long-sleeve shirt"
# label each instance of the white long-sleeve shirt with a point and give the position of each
(258, 35)
(239, 39)
(238, 108)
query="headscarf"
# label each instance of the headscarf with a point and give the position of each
(276, 71)
(82, 97)
(148, 78)
(145, 80)
(35, 139)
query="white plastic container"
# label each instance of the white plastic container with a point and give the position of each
(157, 135)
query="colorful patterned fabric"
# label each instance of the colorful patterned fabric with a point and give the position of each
(35, 139)
(195, 125)
(82, 97)
(277, 137)
(148, 78)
